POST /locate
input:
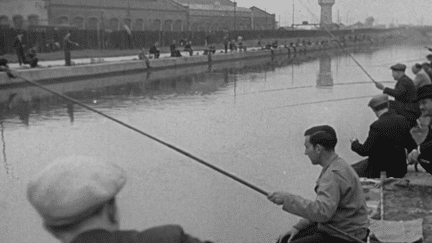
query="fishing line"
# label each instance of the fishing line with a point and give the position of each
(319, 102)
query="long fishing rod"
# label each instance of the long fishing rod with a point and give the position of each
(149, 136)
(187, 154)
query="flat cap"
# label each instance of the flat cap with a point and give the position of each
(398, 67)
(424, 92)
(378, 100)
(72, 188)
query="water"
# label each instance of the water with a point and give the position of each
(247, 118)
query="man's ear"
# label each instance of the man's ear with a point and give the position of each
(318, 148)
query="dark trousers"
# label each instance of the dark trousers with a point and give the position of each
(226, 47)
(313, 235)
(21, 57)
(68, 60)
(156, 53)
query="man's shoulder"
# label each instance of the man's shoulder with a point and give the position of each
(406, 80)
(159, 234)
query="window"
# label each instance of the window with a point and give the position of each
(139, 24)
(114, 24)
(167, 25)
(33, 19)
(4, 20)
(63, 20)
(92, 23)
(78, 22)
(18, 21)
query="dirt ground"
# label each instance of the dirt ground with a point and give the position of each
(412, 201)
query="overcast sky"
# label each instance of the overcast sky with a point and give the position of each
(384, 11)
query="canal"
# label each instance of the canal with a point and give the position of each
(246, 117)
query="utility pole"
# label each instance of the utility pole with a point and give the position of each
(235, 21)
(293, 11)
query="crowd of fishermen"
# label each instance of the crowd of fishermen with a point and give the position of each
(77, 196)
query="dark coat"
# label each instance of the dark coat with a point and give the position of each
(426, 152)
(385, 146)
(161, 234)
(404, 94)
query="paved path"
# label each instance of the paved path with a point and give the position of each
(82, 61)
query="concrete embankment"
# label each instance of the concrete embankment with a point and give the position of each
(63, 73)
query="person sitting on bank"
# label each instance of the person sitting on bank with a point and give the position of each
(76, 198)
(232, 45)
(31, 57)
(385, 145)
(4, 67)
(174, 51)
(428, 69)
(404, 94)
(422, 133)
(154, 50)
(188, 48)
(421, 77)
(339, 204)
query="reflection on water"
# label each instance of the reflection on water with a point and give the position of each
(246, 117)
(325, 78)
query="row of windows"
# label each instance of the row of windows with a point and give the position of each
(18, 20)
(139, 24)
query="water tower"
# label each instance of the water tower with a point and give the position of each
(326, 12)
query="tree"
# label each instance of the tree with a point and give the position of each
(369, 21)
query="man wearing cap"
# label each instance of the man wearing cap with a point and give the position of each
(386, 142)
(404, 94)
(422, 132)
(421, 77)
(338, 213)
(429, 58)
(76, 198)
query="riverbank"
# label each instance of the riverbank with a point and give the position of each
(406, 199)
(123, 65)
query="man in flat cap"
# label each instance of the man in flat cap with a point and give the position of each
(421, 77)
(76, 198)
(429, 58)
(338, 213)
(387, 140)
(422, 132)
(404, 94)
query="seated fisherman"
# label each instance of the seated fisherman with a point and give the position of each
(154, 50)
(422, 133)
(77, 200)
(174, 51)
(387, 140)
(4, 67)
(188, 48)
(338, 213)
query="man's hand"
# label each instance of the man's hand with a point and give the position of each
(413, 157)
(353, 139)
(277, 197)
(290, 233)
(379, 85)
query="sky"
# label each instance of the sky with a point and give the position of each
(351, 11)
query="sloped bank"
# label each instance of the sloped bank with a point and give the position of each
(63, 73)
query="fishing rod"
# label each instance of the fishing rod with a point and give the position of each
(187, 154)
